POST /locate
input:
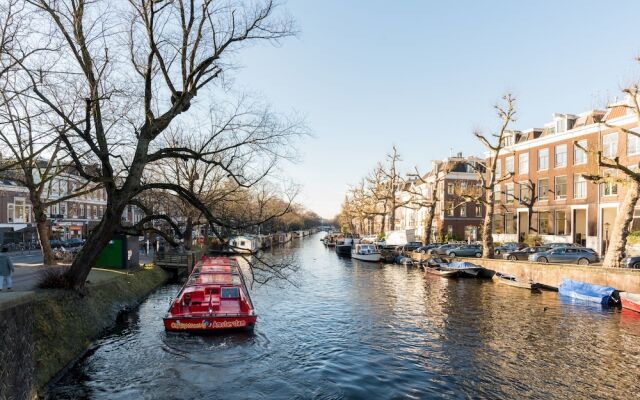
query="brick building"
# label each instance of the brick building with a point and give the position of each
(548, 194)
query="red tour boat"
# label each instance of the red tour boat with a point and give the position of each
(214, 298)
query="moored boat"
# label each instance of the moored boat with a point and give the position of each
(511, 280)
(630, 301)
(464, 268)
(214, 298)
(588, 292)
(366, 252)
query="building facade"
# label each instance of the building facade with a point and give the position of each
(548, 193)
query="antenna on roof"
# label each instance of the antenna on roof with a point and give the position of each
(450, 151)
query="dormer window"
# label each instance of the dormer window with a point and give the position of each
(561, 125)
(508, 140)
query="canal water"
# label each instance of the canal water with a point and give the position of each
(353, 330)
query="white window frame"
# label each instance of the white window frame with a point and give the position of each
(579, 180)
(555, 187)
(582, 159)
(560, 150)
(609, 145)
(635, 149)
(523, 167)
(546, 158)
(509, 166)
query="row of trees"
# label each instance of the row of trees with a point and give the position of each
(135, 98)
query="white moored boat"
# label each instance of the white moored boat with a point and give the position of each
(366, 252)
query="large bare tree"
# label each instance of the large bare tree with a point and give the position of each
(125, 72)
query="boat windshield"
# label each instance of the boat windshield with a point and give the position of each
(209, 279)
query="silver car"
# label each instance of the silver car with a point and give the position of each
(566, 255)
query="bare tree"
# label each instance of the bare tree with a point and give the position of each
(487, 173)
(427, 196)
(126, 96)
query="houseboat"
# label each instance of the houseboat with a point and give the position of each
(214, 298)
(244, 244)
(366, 252)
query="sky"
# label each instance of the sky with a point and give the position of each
(423, 75)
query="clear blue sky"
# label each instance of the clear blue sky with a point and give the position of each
(424, 74)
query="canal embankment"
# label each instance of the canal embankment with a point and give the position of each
(552, 274)
(44, 331)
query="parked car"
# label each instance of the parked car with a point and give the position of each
(412, 246)
(425, 249)
(578, 255)
(524, 253)
(467, 250)
(442, 250)
(55, 243)
(75, 242)
(512, 246)
(558, 245)
(631, 262)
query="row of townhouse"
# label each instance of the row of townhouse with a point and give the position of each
(544, 192)
(68, 219)
(548, 195)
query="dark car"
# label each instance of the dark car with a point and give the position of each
(567, 254)
(524, 253)
(426, 248)
(55, 243)
(631, 262)
(412, 246)
(75, 242)
(466, 250)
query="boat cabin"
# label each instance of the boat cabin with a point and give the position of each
(244, 244)
(366, 248)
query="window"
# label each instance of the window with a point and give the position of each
(561, 187)
(496, 193)
(449, 208)
(633, 144)
(579, 187)
(561, 223)
(229, 293)
(19, 210)
(63, 209)
(94, 212)
(525, 192)
(543, 189)
(523, 163)
(82, 214)
(561, 125)
(498, 168)
(543, 159)
(450, 188)
(478, 211)
(498, 223)
(508, 140)
(579, 152)
(449, 230)
(509, 193)
(10, 212)
(510, 223)
(610, 186)
(463, 210)
(463, 185)
(561, 156)
(508, 165)
(543, 223)
(610, 145)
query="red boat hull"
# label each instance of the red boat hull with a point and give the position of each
(194, 324)
(628, 304)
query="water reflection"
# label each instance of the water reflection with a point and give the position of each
(352, 329)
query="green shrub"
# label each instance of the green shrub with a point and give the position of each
(533, 240)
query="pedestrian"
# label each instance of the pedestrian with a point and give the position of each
(6, 269)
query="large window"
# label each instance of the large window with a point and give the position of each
(18, 211)
(509, 194)
(523, 163)
(610, 186)
(579, 187)
(579, 152)
(543, 223)
(463, 210)
(543, 189)
(498, 223)
(449, 208)
(478, 211)
(633, 144)
(561, 187)
(498, 168)
(610, 145)
(510, 222)
(543, 159)
(525, 192)
(561, 156)
(496, 193)
(561, 223)
(450, 188)
(508, 165)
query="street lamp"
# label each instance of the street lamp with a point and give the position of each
(606, 235)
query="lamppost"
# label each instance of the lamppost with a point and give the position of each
(606, 236)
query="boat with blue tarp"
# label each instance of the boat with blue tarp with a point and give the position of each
(589, 292)
(464, 268)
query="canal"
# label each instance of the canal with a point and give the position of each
(354, 330)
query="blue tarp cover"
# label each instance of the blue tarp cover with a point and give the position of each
(585, 291)
(461, 265)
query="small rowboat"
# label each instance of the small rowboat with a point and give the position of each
(630, 301)
(440, 272)
(511, 280)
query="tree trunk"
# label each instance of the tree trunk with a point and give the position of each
(45, 244)
(97, 240)
(617, 242)
(428, 224)
(487, 237)
(188, 234)
(384, 220)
